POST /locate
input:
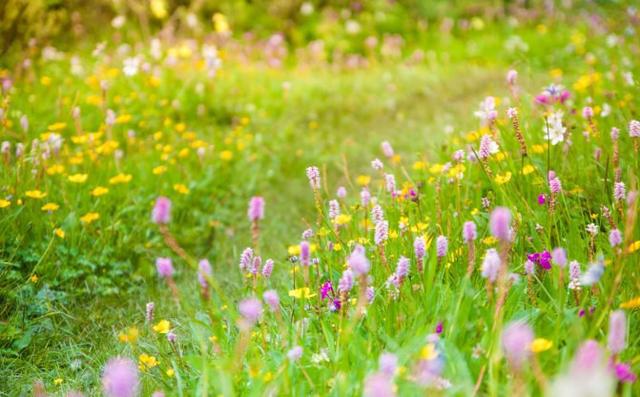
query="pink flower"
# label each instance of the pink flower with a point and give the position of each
(619, 191)
(441, 246)
(161, 213)
(378, 385)
(204, 271)
(272, 300)
(624, 373)
(358, 262)
(500, 223)
(615, 237)
(246, 259)
(313, 173)
(120, 378)
(346, 281)
(294, 354)
(469, 232)
(491, 265)
(341, 192)
(555, 186)
(305, 253)
(516, 342)
(388, 363)
(387, 149)
(634, 129)
(587, 112)
(419, 248)
(512, 75)
(267, 269)
(251, 310)
(164, 267)
(559, 256)
(256, 209)
(617, 332)
(381, 233)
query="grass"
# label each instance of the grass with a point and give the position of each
(259, 129)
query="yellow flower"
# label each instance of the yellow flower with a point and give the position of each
(147, 361)
(304, 293)
(419, 165)
(55, 169)
(45, 80)
(631, 304)
(527, 169)
(633, 247)
(436, 168)
(337, 247)
(50, 207)
(131, 336)
(226, 155)
(34, 278)
(78, 178)
(57, 381)
(89, 217)
(99, 191)
(4, 203)
(180, 188)
(120, 178)
(162, 327)
(159, 9)
(541, 344)
(489, 240)
(503, 178)
(363, 180)
(429, 352)
(538, 149)
(220, 23)
(170, 372)
(342, 219)
(161, 169)
(35, 194)
(59, 232)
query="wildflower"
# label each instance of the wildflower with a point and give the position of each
(631, 304)
(588, 374)
(334, 209)
(516, 341)
(402, 268)
(487, 147)
(246, 259)
(617, 332)
(78, 178)
(267, 269)
(149, 312)
(294, 354)
(305, 253)
(587, 112)
(379, 385)
(358, 262)
(592, 229)
(99, 191)
(615, 237)
(204, 271)
(171, 337)
(346, 281)
(147, 361)
(35, 194)
(256, 209)
(4, 203)
(512, 75)
(313, 173)
(365, 197)
(491, 265)
(164, 267)
(161, 213)
(301, 293)
(120, 179)
(419, 248)
(381, 233)
(559, 256)
(390, 183)
(441, 246)
(554, 129)
(487, 110)
(634, 129)
(251, 310)
(619, 191)
(387, 149)
(162, 327)
(377, 215)
(624, 374)
(592, 275)
(555, 185)
(529, 267)
(181, 188)
(341, 192)
(540, 344)
(120, 378)
(377, 165)
(500, 223)
(51, 207)
(542, 199)
(272, 300)
(255, 265)
(89, 217)
(469, 232)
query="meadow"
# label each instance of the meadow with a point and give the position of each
(379, 199)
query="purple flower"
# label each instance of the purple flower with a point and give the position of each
(267, 269)
(272, 300)
(388, 363)
(378, 385)
(120, 378)
(251, 310)
(491, 265)
(588, 357)
(381, 233)
(358, 262)
(305, 253)
(365, 197)
(171, 337)
(617, 332)
(469, 232)
(256, 209)
(390, 183)
(341, 192)
(164, 267)
(516, 342)
(377, 215)
(439, 328)
(419, 248)
(487, 147)
(294, 354)
(334, 209)
(204, 271)
(313, 173)
(529, 267)
(587, 112)
(619, 191)
(543, 259)
(246, 259)
(512, 75)
(559, 256)
(500, 223)
(402, 268)
(441, 246)
(326, 289)
(387, 149)
(346, 281)
(555, 186)
(615, 133)
(161, 213)
(615, 237)
(634, 129)
(624, 373)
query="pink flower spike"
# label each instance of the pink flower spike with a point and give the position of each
(161, 213)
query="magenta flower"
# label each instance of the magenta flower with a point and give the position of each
(164, 267)
(256, 209)
(272, 300)
(624, 373)
(326, 289)
(251, 310)
(542, 199)
(617, 340)
(439, 328)
(120, 378)
(555, 185)
(588, 357)
(161, 213)
(516, 342)
(543, 259)
(469, 232)
(500, 223)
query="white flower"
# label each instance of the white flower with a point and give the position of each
(592, 229)
(554, 130)
(131, 66)
(118, 21)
